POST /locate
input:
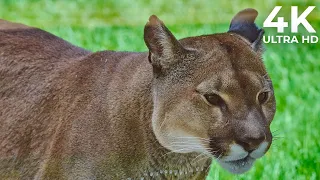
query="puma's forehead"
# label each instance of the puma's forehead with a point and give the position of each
(228, 80)
(225, 62)
(225, 51)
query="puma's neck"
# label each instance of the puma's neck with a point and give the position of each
(164, 163)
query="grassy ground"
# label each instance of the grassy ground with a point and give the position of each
(294, 68)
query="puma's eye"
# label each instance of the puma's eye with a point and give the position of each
(214, 99)
(263, 97)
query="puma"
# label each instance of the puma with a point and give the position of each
(68, 113)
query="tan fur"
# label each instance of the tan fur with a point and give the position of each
(5, 25)
(67, 113)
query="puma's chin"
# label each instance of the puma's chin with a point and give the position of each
(238, 166)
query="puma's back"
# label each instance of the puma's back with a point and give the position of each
(33, 94)
(67, 113)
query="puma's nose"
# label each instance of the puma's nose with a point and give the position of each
(251, 142)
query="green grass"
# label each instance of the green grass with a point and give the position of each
(294, 68)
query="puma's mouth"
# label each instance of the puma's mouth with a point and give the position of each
(241, 162)
(238, 166)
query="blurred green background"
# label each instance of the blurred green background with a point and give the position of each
(294, 68)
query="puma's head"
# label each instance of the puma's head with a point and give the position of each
(212, 93)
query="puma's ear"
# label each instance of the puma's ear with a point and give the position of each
(162, 45)
(243, 24)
